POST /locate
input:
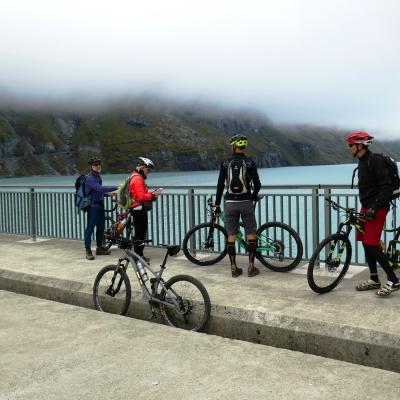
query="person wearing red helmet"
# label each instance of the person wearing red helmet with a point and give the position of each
(375, 192)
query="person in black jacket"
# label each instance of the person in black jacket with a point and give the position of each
(240, 173)
(375, 191)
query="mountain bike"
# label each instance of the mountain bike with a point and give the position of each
(331, 260)
(279, 246)
(182, 301)
(114, 227)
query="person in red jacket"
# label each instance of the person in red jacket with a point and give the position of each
(143, 200)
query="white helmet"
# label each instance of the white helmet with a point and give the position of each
(143, 161)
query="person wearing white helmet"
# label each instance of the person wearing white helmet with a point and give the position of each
(143, 201)
(375, 192)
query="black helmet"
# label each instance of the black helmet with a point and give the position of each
(239, 140)
(146, 162)
(94, 160)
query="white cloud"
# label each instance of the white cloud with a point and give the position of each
(333, 63)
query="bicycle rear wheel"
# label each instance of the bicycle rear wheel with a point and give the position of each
(205, 244)
(329, 263)
(189, 305)
(109, 233)
(279, 246)
(112, 290)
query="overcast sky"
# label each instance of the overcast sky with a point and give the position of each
(335, 63)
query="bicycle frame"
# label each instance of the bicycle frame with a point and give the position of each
(264, 242)
(133, 258)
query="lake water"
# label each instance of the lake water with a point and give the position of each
(310, 175)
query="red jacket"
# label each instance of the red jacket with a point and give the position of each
(139, 190)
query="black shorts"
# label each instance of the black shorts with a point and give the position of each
(236, 210)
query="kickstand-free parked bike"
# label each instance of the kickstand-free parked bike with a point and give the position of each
(331, 259)
(279, 246)
(182, 301)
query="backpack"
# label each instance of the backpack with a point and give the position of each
(124, 198)
(393, 172)
(82, 201)
(236, 177)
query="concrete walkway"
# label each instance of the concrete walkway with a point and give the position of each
(273, 308)
(57, 351)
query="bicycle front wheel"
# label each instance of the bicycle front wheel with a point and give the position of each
(112, 290)
(189, 305)
(205, 244)
(279, 246)
(329, 263)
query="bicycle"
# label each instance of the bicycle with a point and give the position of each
(336, 250)
(114, 228)
(182, 301)
(279, 246)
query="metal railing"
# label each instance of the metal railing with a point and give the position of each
(49, 211)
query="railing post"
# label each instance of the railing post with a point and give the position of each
(328, 215)
(191, 210)
(32, 213)
(315, 217)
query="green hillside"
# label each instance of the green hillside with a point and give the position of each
(177, 138)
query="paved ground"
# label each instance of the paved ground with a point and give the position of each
(270, 292)
(272, 308)
(56, 351)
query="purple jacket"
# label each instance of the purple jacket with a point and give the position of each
(95, 190)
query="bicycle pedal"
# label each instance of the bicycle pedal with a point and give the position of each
(152, 316)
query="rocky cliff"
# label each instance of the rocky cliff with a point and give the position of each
(59, 143)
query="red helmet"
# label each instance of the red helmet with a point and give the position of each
(360, 138)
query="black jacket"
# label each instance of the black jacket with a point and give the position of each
(251, 177)
(374, 181)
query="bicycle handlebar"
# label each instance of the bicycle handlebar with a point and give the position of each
(337, 206)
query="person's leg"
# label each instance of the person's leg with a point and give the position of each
(140, 223)
(100, 226)
(90, 224)
(232, 225)
(372, 265)
(373, 251)
(250, 227)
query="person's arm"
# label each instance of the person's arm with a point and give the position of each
(93, 186)
(220, 185)
(256, 182)
(382, 175)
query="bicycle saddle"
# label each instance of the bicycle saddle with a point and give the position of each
(172, 250)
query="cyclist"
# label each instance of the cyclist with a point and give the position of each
(143, 201)
(375, 191)
(95, 216)
(240, 173)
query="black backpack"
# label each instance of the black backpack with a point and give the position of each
(237, 177)
(82, 201)
(393, 172)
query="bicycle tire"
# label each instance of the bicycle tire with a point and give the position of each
(318, 280)
(108, 231)
(180, 318)
(287, 241)
(205, 255)
(105, 302)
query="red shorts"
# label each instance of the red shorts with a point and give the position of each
(372, 229)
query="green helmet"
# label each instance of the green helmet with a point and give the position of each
(239, 140)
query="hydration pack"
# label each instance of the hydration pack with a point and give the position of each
(82, 201)
(124, 198)
(236, 177)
